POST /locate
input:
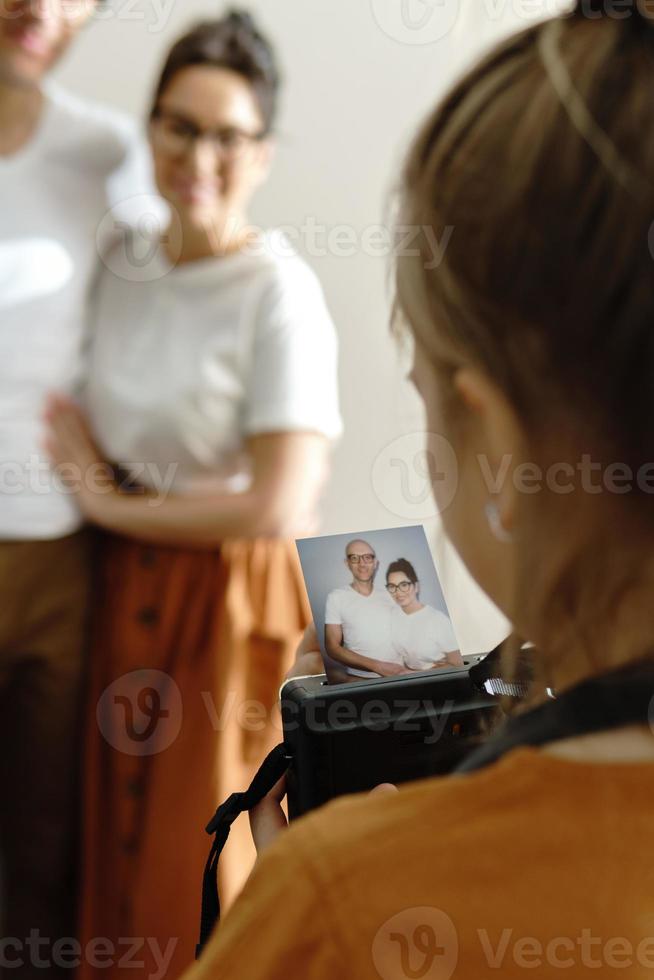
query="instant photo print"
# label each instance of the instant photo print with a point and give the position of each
(378, 604)
(398, 701)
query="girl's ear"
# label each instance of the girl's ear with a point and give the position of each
(495, 429)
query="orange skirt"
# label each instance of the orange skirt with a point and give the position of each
(191, 648)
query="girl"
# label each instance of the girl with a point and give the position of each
(534, 345)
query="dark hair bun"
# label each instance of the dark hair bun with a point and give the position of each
(241, 32)
(234, 42)
(403, 566)
(242, 20)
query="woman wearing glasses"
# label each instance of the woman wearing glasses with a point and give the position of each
(422, 636)
(213, 384)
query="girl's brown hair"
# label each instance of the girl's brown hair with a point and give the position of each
(540, 162)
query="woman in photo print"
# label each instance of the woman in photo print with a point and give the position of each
(422, 636)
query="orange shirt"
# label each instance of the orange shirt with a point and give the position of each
(536, 866)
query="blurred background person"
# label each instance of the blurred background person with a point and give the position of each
(218, 366)
(421, 635)
(56, 151)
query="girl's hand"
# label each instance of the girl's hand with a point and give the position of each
(75, 457)
(308, 659)
(268, 820)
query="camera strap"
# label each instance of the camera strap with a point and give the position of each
(612, 700)
(274, 767)
(620, 697)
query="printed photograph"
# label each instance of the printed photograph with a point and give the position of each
(378, 604)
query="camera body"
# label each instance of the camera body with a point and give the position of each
(349, 738)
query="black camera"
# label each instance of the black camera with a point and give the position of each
(348, 738)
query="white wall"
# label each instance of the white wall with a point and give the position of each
(358, 82)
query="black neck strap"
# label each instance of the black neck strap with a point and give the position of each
(274, 767)
(612, 700)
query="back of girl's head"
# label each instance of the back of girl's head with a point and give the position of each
(236, 43)
(541, 163)
(404, 567)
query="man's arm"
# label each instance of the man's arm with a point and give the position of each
(452, 658)
(337, 651)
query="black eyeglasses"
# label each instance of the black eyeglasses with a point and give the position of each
(366, 559)
(175, 135)
(400, 587)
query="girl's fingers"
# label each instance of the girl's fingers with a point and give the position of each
(268, 820)
(384, 789)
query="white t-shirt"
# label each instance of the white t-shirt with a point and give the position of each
(422, 638)
(54, 194)
(366, 623)
(188, 361)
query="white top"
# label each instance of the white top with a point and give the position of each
(366, 623)
(187, 362)
(54, 195)
(422, 638)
